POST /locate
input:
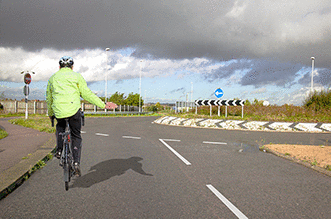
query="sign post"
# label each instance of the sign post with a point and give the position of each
(219, 93)
(26, 90)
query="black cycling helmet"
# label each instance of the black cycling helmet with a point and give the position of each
(66, 61)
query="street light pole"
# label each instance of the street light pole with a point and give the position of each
(312, 74)
(191, 95)
(106, 79)
(140, 86)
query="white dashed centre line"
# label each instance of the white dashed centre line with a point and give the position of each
(227, 202)
(131, 137)
(175, 152)
(209, 142)
(100, 134)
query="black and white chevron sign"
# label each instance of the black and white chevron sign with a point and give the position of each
(220, 102)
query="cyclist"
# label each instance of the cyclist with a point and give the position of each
(64, 90)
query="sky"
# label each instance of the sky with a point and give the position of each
(181, 50)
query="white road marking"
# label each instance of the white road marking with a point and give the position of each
(171, 140)
(100, 134)
(209, 142)
(227, 202)
(83, 132)
(175, 152)
(131, 137)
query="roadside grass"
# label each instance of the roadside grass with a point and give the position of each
(316, 108)
(3, 134)
(42, 123)
(6, 115)
(39, 122)
(256, 112)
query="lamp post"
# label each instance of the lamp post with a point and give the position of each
(312, 73)
(191, 95)
(140, 85)
(106, 83)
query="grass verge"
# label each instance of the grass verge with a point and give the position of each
(42, 123)
(3, 134)
(315, 157)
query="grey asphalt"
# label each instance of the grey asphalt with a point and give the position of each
(124, 177)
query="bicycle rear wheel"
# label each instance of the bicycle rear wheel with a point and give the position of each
(66, 173)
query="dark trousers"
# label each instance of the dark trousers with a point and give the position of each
(75, 123)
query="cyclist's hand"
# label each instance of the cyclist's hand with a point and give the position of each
(110, 105)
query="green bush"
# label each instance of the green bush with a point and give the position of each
(152, 108)
(318, 101)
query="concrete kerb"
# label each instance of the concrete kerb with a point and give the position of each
(16, 175)
(246, 125)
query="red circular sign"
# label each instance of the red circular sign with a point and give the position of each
(27, 78)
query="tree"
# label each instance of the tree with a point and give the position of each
(133, 100)
(117, 98)
(152, 108)
(158, 106)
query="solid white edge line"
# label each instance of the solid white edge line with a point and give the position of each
(131, 137)
(209, 142)
(83, 132)
(100, 134)
(176, 153)
(227, 202)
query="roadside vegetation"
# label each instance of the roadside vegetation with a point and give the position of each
(3, 133)
(316, 108)
(42, 123)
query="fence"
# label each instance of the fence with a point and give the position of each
(40, 107)
(90, 108)
(182, 106)
(34, 107)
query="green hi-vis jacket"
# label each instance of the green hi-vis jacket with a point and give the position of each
(63, 93)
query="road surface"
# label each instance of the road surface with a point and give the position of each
(132, 168)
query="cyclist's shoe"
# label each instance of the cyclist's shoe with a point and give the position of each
(77, 169)
(58, 154)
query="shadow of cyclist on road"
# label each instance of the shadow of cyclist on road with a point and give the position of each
(107, 169)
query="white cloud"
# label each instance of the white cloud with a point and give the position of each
(92, 64)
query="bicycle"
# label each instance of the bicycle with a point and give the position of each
(66, 160)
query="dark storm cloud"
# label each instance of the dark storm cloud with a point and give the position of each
(264, 72)
(258, 72)
(87, 24)
(322, 77)
(178, 90)
(220, 30)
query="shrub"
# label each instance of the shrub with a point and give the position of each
(318, 101)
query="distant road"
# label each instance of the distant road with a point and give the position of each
(132, 168)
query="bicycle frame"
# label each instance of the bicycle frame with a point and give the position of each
(66, 157)
(66, 160)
